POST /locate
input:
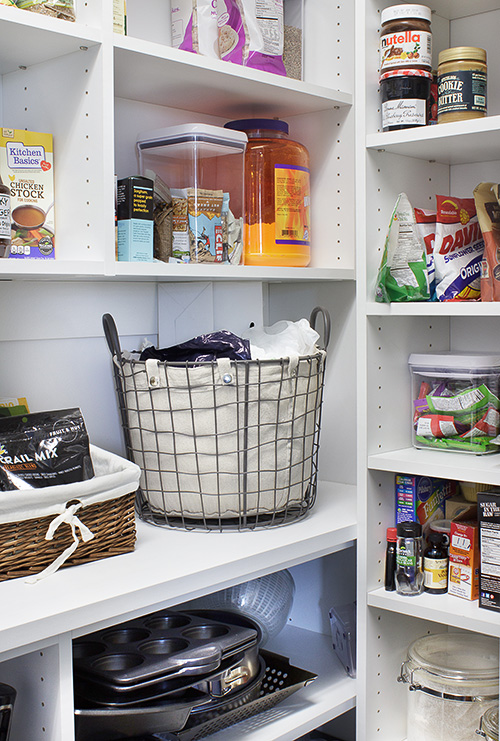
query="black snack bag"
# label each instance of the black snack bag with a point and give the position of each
(44, 449)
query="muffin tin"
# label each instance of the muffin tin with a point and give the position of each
(164, 654)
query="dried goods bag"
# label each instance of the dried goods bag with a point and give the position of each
(57, 8)
(205, 225)
(194, 26)
(251, 33)
(458, 249)
(402, 275)
(44, 449)
(426, 223)
(486, 198)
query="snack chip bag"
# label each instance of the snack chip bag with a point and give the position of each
(458, 249)
(486, 197)
(402, 275)
(426, 224)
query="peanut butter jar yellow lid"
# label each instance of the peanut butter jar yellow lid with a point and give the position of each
(462, 53)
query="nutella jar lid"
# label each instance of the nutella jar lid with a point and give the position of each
(395, 12)
(410, 72)
(461, 53)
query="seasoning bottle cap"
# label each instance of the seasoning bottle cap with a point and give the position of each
(392, 534)
(460, 53)
(409, 529)
(395, 12)
(249, 124)
(436, 538)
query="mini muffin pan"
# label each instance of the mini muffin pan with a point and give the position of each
(163, 646)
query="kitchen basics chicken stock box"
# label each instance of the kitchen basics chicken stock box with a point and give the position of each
(27, 168)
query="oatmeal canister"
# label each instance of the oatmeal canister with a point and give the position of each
(462, 82)
(406, 38)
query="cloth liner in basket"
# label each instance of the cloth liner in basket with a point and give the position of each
(38, 527)
(223, 439)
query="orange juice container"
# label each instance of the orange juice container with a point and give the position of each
(276, 194)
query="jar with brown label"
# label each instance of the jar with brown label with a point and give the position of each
(405, 38)
(462, 80)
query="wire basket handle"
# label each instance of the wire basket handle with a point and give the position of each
(111, 335)
(326, 323)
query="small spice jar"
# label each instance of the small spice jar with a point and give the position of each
(488, 727)
(405, 38)
(409, 566)
(462, 81)
(404, 96)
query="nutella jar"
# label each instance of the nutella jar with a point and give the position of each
(406, 38)
(462, 81)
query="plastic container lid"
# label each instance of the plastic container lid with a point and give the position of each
(461, 53)
(440, 526)
(462, 664)
(405, 11)
(452, 361)
(392, 534)
(188, 133)
(249, 124)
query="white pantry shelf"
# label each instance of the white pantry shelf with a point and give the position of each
(29, 38)
(169, 567)
(435, 308)
(439, 608)
(159, 74)
(326, 697)
(485, 469)
(455, 143)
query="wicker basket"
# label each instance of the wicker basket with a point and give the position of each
(104, 505)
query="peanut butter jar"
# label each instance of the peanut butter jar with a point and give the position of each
(462, 84)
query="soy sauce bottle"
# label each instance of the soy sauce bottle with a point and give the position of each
(4, 220)
(436, 565)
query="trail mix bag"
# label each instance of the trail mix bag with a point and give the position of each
(194, 26)
(44, 449)
(458, 249)
(56, 9)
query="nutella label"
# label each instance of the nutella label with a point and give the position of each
(405, 49)
(408, 112)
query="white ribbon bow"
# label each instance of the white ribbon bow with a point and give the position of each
(67, 516)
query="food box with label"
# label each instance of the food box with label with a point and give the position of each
(488, 507)
(463, 578)
(455, 401)
(422, 498)
(197, 170)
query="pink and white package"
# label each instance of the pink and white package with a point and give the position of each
(251, 33)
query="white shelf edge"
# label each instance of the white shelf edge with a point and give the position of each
(434, 308)
(134, 271)
(329, 695)
(227, 70)
(450, 143)
(443, 608)
(484, 469)
(165, 569)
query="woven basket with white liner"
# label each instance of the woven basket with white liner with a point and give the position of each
(45, 528)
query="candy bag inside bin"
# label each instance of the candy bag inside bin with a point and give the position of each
(402, 275)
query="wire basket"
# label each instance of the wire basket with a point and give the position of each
(222, 445)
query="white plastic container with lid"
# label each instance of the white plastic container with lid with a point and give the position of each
(202, 166)
(455, 401)
(453, 680)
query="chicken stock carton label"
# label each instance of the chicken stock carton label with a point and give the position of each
(27, 168)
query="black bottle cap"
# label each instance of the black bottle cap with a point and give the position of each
(409, 529)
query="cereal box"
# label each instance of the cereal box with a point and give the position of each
(27, 167)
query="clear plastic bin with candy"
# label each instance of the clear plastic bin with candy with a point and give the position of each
(455, 402)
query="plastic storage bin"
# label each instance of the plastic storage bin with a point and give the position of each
(455, 401)
(202, 168)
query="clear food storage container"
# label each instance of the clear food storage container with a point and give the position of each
(455, 401)
(452, 680)
(198, 175)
